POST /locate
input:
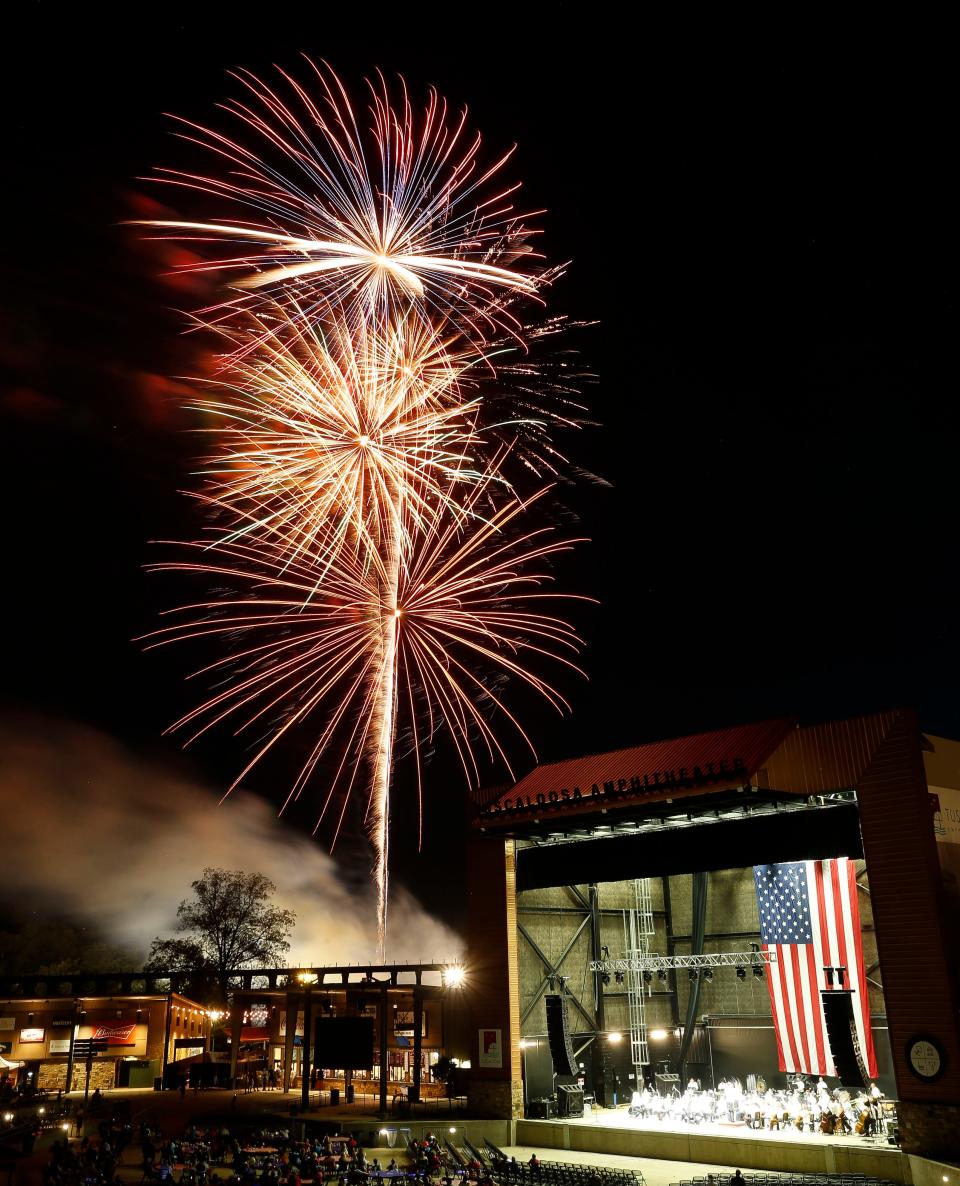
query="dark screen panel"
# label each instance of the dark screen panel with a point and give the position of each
(735, 844)
(344, 1042)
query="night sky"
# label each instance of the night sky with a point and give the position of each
(764, 227)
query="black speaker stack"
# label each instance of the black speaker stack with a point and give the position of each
(561, 1049)
(569, 1101)
(540, 1109)
(842, 1036)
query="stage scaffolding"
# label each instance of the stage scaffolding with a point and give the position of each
(638, 927)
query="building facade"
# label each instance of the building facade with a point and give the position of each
(561, 863)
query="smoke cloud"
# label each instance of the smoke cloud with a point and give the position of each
(94, 831)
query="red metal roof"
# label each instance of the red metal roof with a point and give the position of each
(693, 764)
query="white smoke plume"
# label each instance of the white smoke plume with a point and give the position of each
(92, 830)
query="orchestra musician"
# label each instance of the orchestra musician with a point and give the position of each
(799, 1107)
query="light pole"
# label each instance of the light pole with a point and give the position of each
(308, 980)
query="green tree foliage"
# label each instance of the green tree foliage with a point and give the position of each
(228, 923)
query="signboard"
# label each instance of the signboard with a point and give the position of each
(116, 1033)
(31, 1035)
(8, 1023)
(491, 1049)
(59, 1046)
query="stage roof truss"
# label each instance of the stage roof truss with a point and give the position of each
(695, 815)
(657, 963)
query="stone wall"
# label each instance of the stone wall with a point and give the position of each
(931, 1129)
(495, 1097)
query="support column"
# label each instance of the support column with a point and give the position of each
(382, 1007)
(597, 1067)
(417, 1041)
(236, 1025)
(492, 990)
(307, 1061)
(293, 1009)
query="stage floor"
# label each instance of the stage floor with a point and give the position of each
(615, 1131)
(620, 1118)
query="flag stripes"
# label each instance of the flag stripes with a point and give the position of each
(809, 920)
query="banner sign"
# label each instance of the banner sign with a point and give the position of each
(59, 1046)
(31, 1035)
(119, 1033)
(491, 1048)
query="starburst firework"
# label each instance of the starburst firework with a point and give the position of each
(358, 486)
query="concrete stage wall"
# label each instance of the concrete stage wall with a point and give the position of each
(809, 1157)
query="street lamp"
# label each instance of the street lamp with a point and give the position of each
(308, 980)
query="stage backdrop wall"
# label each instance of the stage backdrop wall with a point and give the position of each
(748, 1046)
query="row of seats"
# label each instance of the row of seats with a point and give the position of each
(789, 1180)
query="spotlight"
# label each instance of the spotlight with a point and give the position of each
(758, 971)
(605, 977)
(454, 976)
(658, 1035)
(605, 951)
(618, 976)
(615, 1037)
(693, 974)
(647, 976)
(708, 974)
(741, 973)
(662, 975)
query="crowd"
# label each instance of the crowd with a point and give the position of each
(229, 1157)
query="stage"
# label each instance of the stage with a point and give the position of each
(613, 1130)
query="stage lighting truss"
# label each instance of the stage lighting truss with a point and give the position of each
(756, 960)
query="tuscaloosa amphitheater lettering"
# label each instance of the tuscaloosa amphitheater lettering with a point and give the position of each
(637, 784)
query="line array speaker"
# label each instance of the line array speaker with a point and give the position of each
(561, 1050)
(842, 1036)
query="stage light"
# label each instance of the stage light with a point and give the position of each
(618, 976)
(647, 976)
(454, 976)
(615, 1037)
(758, 971)
(658, 1035)
(453, 1130)
(525, 1044)
(708, 973)
(605, 977)
(693, 973)
(741, 973)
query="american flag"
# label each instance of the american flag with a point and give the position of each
(810, 919)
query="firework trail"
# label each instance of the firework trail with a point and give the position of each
(374, 384)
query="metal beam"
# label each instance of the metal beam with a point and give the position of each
(553, 972)
(656, 963)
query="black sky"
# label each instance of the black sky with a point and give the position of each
(764, 223)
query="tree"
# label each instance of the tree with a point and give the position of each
(228, 923)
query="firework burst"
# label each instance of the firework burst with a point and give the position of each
(375, 381)
(377, 219)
